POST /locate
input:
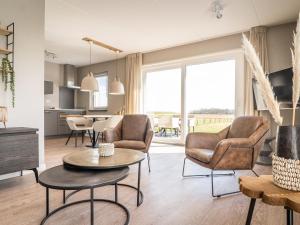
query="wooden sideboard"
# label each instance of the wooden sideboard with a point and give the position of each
(19, 150)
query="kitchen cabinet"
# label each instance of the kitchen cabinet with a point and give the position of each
(50, 122)
(48, 87)
(55, 121)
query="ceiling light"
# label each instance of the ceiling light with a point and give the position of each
(89, 82)
(217, 8)
(116, 87)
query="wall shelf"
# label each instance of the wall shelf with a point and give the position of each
(4, 51)
(4, 31)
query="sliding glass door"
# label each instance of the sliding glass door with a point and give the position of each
(162, 103)
(210, 95)
(190, 97)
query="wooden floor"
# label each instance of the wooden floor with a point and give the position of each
(169, 199)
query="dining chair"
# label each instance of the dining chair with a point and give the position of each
(168, 122)
(79, 125)
(102, 125)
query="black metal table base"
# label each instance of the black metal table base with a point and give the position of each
(139, 197)
(289, 213)
(91, 200)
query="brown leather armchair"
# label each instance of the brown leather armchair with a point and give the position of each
(133, 132)
(234, 148)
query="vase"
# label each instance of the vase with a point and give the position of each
(286, 160)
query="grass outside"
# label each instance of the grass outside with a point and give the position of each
(210, 123)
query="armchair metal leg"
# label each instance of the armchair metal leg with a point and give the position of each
(148, 158)
(69, 137)
(213, 191)
(203, 175)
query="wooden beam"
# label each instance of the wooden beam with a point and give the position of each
(95, 42)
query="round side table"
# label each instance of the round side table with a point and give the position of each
(89, 159)
(62, 178)
(263, 188)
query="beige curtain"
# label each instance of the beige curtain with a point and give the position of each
(133, 83)
(258, 38)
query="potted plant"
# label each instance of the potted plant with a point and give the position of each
(286, 160)
(8, 77)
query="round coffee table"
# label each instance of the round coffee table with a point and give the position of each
(62, 178)
(89, 159)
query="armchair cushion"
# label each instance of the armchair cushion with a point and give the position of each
(134, 127)
(201, 154)
(137, 145)
(244, 127)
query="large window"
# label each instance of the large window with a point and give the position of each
(193, 96)
(100, 97)
(210, 95)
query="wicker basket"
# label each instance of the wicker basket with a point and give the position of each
(286, 173)
(106, 149)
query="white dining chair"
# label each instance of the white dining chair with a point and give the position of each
(79, 125)
(102, 125)
(166, 122)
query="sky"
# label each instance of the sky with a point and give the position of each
(209, 85)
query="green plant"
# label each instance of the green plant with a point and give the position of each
(8, 77)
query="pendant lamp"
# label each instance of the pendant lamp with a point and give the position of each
(89, 82)
(116, 86)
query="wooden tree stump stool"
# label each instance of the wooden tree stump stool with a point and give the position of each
(263, 188)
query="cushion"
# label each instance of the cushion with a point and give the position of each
(201, 154)
(243, 127)
(137, 145)
(134, 127)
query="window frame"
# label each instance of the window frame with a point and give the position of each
(104, 108)
(236, 54)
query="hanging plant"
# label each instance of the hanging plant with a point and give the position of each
(8, 78)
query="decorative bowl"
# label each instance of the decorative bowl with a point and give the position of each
(106, 149)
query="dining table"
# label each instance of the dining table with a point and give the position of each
(94, 117)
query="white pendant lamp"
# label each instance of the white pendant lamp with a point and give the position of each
(116, 86)
(89, 82)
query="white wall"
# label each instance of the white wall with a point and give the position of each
(54, 73)
(28, 16)
(279, 41)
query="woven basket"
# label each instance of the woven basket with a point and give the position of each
(106, 149)
(286, 173)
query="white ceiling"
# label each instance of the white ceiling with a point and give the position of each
(147, 25)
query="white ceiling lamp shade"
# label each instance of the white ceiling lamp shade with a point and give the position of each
(89, 82)
(116, 86)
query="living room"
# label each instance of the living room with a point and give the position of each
(118, 112)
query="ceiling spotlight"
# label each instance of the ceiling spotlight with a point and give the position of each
(50, 55)
(217, 8)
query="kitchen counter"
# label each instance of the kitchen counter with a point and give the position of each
(55, 120)
(79, 110)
